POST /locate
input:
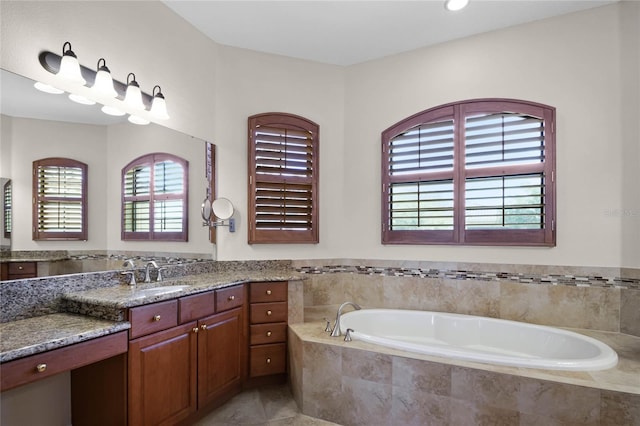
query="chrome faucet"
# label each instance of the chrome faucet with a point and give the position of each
(147, 275)
(129, 263)
(336, 326)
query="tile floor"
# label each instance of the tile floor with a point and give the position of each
(267, 406)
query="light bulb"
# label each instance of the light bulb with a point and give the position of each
(133, 95)
(103, 85)
(158, 105)
(70, 67)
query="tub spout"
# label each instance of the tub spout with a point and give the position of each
(336, 326)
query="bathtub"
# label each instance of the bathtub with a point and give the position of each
(479, 339)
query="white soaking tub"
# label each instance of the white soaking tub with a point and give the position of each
(479, 339)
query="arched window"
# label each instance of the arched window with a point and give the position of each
(59, 199)
(154, 198)
(283, 179)
(477, 172)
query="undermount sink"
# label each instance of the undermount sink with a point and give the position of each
(157, 291)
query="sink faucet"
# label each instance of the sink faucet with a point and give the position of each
(147, 275)
(336, 326)
(129, 263)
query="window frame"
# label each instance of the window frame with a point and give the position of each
(283, 121)
(546, 236)
(37, 200)
(151, 160)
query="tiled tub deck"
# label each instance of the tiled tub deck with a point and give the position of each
(357, 383)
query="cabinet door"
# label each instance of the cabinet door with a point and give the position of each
(221, 344)
(162, 376)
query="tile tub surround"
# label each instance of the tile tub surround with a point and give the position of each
(608, 304)
(358, 383)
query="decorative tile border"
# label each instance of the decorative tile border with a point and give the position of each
(550, 279)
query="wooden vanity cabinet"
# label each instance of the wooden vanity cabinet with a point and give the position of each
(194, 360)
(18, 270)
(268, 332)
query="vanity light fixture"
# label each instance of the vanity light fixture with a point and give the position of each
(158, 105)
(103, 85)
(133, 96)
(454, 5)
(70, 67)
(89, 87)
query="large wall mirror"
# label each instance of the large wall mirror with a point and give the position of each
(39, 125)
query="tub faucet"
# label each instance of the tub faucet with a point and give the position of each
(147, 270)
(336, 326)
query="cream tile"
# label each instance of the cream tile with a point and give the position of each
(365, 290)
(366, 365)
(365, 403)
(421, 376)
(466, 413)
(630, 312)
(414, 407)
(619, 408)
(485, 388)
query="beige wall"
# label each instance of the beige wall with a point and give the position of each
(582, 63)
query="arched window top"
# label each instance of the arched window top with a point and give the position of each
(154, 198)
(480, 171)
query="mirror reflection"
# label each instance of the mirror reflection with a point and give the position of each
(38, 125)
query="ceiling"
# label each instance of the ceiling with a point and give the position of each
(352, 31)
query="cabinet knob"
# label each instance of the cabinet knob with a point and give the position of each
(269, 313)
(41, 368)
(232, 297)
(195, 329)
(268, 292)
(203, 326)
(269, 333)
(20, 268)
(268, 360)
(156, 317)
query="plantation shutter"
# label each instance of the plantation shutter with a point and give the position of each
(473, 172)
(8, 200)
(283, 167)
(154, 198)
(59, 199)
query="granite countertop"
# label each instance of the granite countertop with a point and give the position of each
(100, 311)
(39, 334)
(125, 296)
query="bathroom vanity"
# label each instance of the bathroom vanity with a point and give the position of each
(166, 357)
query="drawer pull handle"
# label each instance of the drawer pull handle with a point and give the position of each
(269, 313)
(268, 333)
(268, 292)
(232, 297)
(203, 326)
(20, 268)
(195, 329)
(268, 360)
(41, 368)
(156, 317)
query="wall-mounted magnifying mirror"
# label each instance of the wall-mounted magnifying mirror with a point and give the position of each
(222, 208)
(217, 212)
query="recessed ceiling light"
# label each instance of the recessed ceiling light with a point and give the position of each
(454, 5)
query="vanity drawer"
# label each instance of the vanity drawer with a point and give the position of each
(268, 292)
(194, 307)
(22, 268)
(151, 318)
(268, 333)
(229, 298)
(268, 359)
(40, 366)
(268, 312)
